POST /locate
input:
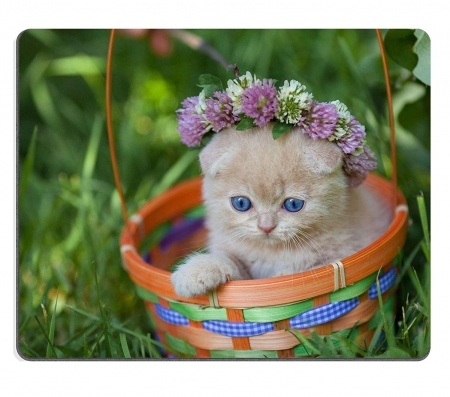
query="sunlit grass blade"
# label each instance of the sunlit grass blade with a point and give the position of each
(175, 172)
(84, 313)
(152, 351)
(51, 333)
(96, 345)
(321, 345)
(406, 264)
(43, 100)
(418, 286)
(375, 342)
(90, 157)
(309, 347)
(46, 337)
(329, 343)
(388, 330)
(150, 342)
(123, 342)
(351, 346)
(81, 333)
(141, 345)
(80, 64)
(424, 221)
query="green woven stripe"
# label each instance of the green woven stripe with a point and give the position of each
(265, 314)
(199, 313)
(388, 309)
(196, 212)
(276, 313)
(243, 354)
(180, 345)
(146, 295)
(272, 313)
(354, 290)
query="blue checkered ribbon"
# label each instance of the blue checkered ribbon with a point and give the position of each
(232, 329)
(171, 316)
(310, 318)
(323, 314)
(386, 281)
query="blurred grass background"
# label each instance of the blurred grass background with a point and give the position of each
(69, 212)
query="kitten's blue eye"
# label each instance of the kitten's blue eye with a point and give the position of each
(241, 203)
(293, 204)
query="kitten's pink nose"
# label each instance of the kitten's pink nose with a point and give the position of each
(266, 222)
(266, 228)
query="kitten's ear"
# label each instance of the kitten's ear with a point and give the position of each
(212, 157)
(322, 156)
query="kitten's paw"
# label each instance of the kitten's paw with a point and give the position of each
(202, 273)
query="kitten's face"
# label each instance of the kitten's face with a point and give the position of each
(263, 190)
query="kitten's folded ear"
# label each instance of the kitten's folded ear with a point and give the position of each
(322, 156)
(212, 157)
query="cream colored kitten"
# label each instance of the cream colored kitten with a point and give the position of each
(276, 207)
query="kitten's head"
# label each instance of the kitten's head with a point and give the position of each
(264, 190)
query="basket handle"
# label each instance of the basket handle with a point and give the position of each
(110, 129)
(391, 119)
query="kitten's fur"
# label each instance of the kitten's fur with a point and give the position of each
(335, 222)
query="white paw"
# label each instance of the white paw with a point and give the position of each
(202, 273)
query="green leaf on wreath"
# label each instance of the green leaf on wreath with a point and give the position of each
(210, 84)
(280, 128)
(245, 124)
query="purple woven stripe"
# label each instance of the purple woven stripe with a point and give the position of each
(171, 316)
(323, 314)
(180, 231)
(237, 329)
(386, 281)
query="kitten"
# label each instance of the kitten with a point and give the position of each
(276, 207)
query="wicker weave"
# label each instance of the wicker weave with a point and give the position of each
(263, 318)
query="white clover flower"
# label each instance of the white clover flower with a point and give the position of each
(292, 99)
(349, 134)
(200, 109)
(236, 88)
(247, 80)
(344, 118)
(201, 106)
(343, 112)
(291, 88)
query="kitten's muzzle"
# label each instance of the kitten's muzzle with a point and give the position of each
(266, 222)
(267, 229)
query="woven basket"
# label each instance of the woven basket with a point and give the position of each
(263, 318)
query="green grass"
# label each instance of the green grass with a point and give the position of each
(75, 300)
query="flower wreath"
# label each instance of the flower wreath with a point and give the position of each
(248, 102)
